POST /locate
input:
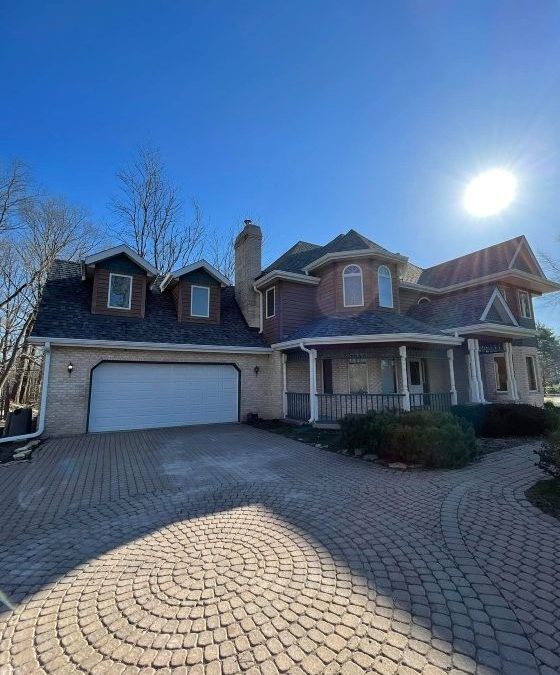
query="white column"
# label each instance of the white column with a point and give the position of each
(471, 367)
(452, 388)
(510, 371)
(284, 385)
(404, 378)
(479, 374)
(313, 386)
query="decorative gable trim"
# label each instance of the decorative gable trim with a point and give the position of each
(498, 298)
(524, 245)
(350, 255)
(200, 264)
(123, 249)
(287, 276)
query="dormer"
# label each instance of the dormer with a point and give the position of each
(119, 278)
(196, 291)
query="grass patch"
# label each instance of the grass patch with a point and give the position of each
(545, 495)
(329, 439)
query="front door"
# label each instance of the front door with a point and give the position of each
(416, 376)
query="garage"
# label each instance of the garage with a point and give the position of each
(140, 395)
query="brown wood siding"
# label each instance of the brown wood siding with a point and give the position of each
(271, 327)
(183, 300)
(297, 306)
(100, 295)
(408, 299)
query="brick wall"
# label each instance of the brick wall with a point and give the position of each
(68, 395)
(521, 376)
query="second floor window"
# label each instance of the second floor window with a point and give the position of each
(120, 291)
(200, 301)
(270, 302)
(385, 284)
(525, 305)
(353, 288)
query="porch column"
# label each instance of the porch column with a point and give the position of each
(404, 378)
(313, 386)
(284, 385)
(510, 371)
(479, 374)
(474, 387)
(452, 388)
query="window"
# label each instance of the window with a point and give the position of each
(525, 305)
(270, 301)
(120, 291)
(532, 373)
(327, 376)
(388, 379)
(352, 286)
(501, 373)
(423, 300)
(385, 284)
(415, 372)
(200, 301)
(357, 377)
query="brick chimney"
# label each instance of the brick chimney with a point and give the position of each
(248, 247)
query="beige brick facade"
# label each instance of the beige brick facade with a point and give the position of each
(68, 395)
(521, 376)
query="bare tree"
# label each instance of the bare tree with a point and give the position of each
(150, 214)
(15, 188)
(221, 252)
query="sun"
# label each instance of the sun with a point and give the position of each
(490, 192)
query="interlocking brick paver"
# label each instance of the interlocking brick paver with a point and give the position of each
(225, 549)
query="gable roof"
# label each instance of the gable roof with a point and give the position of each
(122, 249)
(65, 312)
(296, 258)
(198, 265)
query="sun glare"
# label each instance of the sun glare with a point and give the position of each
(490, 192)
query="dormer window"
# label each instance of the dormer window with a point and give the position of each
(385, 285)
(200, 301)
(120, 291)
(353, 287)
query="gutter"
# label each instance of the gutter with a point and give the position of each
(375, 338)
(43, 406)
(147, 346)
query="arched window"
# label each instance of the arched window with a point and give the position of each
(423, 300)
(385, 284)
(352, 286)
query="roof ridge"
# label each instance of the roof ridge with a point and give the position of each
(480, 250)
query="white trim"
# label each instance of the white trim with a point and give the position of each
(497, 295)
(390, 277)
(547, 286)
(313, 401)
(288, 276)
(361, 253)
(352, 274)
(423, 298)
(147, 346)
(266, 314)
(43, 405)
(124, 276)
(491, 329)
(360, 339)
(404, 378)
(207, 289)
(199, 264)
(521, 292)
(525, 243)
(123, 249)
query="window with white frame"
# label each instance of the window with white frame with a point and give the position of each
(200, 301)
(525, 305)
(120, 291)
(270, 302)
(357, 376)
(385, 284)
(532, 373)
(353, 287)
(500, 372)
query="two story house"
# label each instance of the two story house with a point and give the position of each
(323, 331)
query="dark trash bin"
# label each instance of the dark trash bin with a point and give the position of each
(18, 422)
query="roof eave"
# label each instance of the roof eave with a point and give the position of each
(122, 249)
(492, 329)
(545, 285)
(361, 253)
(199, 264)
(288, 276)
(361, 339)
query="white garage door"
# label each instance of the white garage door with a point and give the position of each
(148, 395)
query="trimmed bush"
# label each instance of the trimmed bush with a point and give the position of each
(499, 420)
(549, 455)
(426, 438)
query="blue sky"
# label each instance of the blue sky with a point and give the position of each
(308, 117)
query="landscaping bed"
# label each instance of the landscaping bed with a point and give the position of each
(545, 495)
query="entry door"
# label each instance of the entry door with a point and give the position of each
(416, 376)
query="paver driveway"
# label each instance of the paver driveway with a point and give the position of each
(227, 549)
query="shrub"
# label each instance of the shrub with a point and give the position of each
(552, 416)
(549, 455)
(426, 438)
(506, 419)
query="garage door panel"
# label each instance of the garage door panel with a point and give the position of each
(148, 395)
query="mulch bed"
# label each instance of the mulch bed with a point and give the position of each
(545, 495)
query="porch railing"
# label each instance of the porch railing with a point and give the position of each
(439, 402)
(331, 407)
(298, 406)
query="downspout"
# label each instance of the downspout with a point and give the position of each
(259, 293)
(43, 405)
(312, 380)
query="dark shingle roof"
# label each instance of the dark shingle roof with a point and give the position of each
(303, 253)
(470, 266)
(378, 322)
(65, 312)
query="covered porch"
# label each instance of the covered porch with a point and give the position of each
(325, 382)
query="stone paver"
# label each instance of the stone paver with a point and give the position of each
(226, 549)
